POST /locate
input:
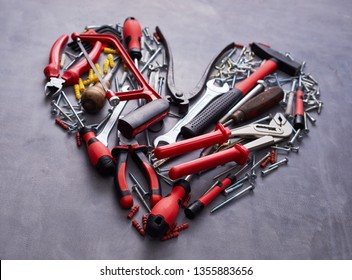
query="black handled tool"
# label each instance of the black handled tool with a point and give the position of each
(215, 110)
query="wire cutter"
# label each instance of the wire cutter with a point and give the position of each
(71, 76)
(126, 148)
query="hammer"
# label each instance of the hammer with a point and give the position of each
(216, 109)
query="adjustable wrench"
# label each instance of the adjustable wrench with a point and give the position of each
(104, 134)
(210, 94)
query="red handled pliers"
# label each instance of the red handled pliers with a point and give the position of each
(139, 155)
(71, 76)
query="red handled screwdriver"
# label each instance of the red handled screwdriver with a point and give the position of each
(132, 34)
(197, 206)
(165, 212)
(98, 153)
(298, 121)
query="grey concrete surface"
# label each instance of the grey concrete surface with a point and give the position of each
(53, 205)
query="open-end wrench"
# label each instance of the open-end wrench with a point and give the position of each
(104, 134)
(212, 92)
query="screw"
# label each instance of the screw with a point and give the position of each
(140, 196)
(253, 175)
(250, 187)
(306, 129)
(281, 162)
(293, 139)
(160, 85)
(53, 108)
(260, 161)
(309, 116)
(235, 186)
(269, 170)
(73, 110)
(53, 103)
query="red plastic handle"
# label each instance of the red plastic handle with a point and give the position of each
(132, 34)
(139, 156)
(120, 153)
(72, 75)
(214, 192)
(299, 102)
(237, 153)
(99, 155)
(53, 68)
(265, 69)
(219, 136)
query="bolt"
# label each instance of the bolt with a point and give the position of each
(72, 109)
(53, 108)
(141, 198)
(250, 187)
(309, 116)
(279, 163)
(53, 103)
(260, 161)
(235, 186)
(160, 85)
(312, 108)
(306, 129)
(269, 170)
(253, 175)
(150, 59)
(293, 139)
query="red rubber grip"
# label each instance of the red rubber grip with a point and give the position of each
(132, 34)
(214, 192)
(72, 75)
(219, 136)
(299, 102)
(53, 68)
(120, 153)
(265, 69)
(237, 153)
(169, 206)
(95, 148)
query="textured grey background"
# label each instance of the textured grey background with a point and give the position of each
(53, 205)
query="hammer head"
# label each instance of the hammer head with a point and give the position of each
(284, 63)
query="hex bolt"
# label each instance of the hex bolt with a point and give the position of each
(293, 139)
(249, 188)
(237, 186)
